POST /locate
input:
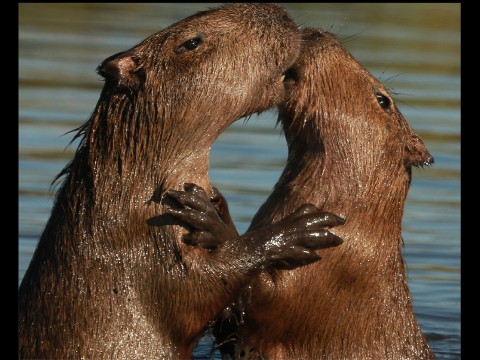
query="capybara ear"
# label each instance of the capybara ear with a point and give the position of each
(124, 68)
(416, 153)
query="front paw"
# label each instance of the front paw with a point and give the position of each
(293, 240)
(199, 212)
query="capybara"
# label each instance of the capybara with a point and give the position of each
(111, 276)
(350, 152)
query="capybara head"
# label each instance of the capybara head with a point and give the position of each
(217, 65)
(333, 94)
(168, 98)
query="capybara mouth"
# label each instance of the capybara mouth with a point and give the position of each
(429, 160)
(416, 153)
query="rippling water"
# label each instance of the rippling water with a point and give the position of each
(413, 48)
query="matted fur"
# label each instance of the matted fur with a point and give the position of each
(350, 153)
(108, 279)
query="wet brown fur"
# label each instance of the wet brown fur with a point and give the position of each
(349, 156)
(109, 279)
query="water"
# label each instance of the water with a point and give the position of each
(413, 48)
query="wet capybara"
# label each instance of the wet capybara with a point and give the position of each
(111, 276)
(350, 152)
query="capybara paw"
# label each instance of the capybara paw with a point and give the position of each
(198, 211)
(193, 196)
(202, 239)
(323, 218)
(294, 257)
(217, 197)
(291, 241)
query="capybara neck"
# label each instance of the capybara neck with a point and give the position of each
(350, 153)
(131, 152)
(111, 276)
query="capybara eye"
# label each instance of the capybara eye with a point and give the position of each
(383, 101)
(189, 45)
